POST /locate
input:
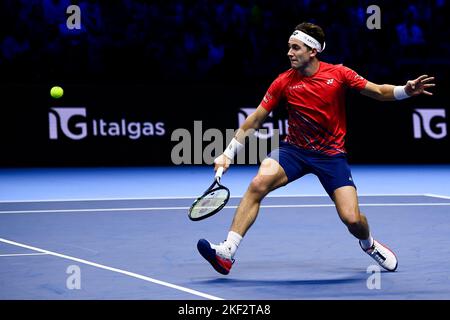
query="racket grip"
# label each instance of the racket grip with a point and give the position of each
(219, 173)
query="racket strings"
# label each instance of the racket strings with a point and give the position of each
(209, 202)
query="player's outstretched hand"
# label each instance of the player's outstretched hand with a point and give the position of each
(420, 86)
(222, 161)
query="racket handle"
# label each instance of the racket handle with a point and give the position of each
(219, 173)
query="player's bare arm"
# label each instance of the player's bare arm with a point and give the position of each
(387, 92)
(253, 121)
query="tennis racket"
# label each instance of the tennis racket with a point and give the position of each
(211, 201)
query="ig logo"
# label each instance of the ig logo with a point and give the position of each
(63, 115)
(422, 122)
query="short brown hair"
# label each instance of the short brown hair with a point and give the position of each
(312, 30)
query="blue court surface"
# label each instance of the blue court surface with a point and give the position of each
(123, 233)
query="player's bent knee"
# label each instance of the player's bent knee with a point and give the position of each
(270, 167)
(260, 185)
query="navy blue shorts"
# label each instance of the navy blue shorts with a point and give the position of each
(333, 171)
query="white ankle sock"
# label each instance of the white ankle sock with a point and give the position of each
(233, 241)
(366, 244)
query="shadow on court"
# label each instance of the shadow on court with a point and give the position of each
(256, 283)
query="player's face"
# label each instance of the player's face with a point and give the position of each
(298, 54)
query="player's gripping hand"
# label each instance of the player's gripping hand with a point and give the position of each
(222, 161)
(419, 86)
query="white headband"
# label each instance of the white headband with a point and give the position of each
(308, 40)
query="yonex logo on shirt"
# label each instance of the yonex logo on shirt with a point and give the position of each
(330, 81)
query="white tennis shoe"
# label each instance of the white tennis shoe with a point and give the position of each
(383, 255)
(219, 256)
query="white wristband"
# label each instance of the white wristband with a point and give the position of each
(400, 93)
(233, 148)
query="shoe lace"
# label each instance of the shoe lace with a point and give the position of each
(376, 254)
(225, 247)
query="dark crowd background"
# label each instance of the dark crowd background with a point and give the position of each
(204, 41)
(179, 61)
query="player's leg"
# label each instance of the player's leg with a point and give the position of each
(335, 175)
(346, 201)
(269, 177)
(283, 165)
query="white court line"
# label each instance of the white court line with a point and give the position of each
(227, 207)
(437, 196)
(22, 254)
(195, 197)
(101, 266)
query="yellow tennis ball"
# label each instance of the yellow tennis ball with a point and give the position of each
(56, 92)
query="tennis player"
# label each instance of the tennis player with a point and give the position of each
(313, 91)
